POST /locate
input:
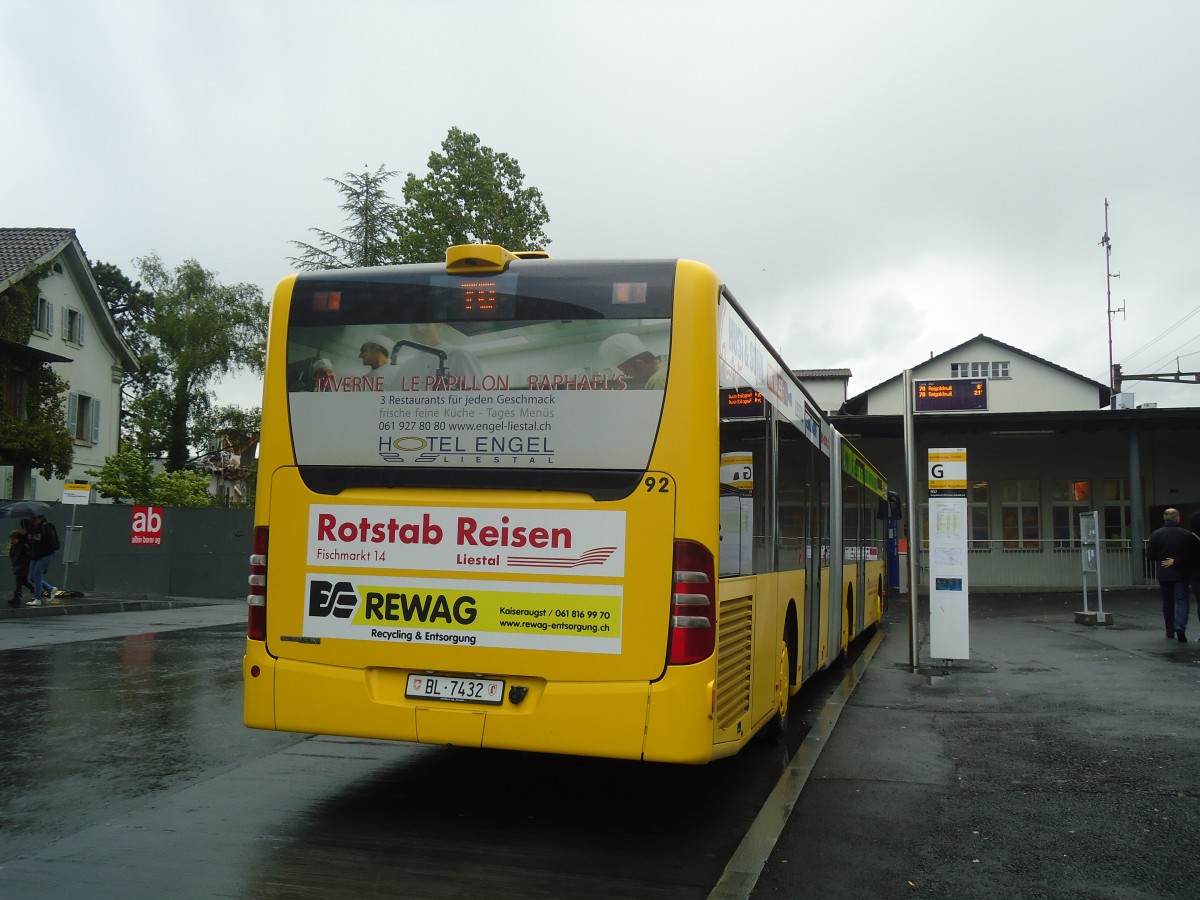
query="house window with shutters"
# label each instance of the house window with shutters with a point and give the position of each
(43, 316)
(72, 326)
(83, 418)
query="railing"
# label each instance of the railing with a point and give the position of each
(1040, 565)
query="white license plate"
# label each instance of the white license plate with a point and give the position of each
(455, 688)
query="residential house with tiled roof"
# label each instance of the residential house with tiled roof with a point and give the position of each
(75, 334)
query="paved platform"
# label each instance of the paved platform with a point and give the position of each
(106, 603)
(1061, 760)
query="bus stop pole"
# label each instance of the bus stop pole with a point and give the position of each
(68, 551)
(914, 534)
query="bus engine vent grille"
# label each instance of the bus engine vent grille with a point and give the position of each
(734, 634)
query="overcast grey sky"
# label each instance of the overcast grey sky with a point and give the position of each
(876, 181)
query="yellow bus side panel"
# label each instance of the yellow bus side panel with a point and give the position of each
(826, 654)
(876, 574)
(850, 612)
(751, 626)
(768, 636)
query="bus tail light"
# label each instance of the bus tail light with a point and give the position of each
(256, 620)
(693, 604)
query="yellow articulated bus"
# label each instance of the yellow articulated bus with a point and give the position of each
(574, 507)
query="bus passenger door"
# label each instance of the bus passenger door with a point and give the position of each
(836, 554)
(817, 537)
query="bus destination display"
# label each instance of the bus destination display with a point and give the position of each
(950, 395)
(742, 403)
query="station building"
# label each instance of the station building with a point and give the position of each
(1043, 444)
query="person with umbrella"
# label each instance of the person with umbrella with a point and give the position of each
(18, 554)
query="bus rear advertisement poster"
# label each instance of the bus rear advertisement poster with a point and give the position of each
(487, 395)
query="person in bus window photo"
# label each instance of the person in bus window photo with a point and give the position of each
(627, 354)
(376, 355)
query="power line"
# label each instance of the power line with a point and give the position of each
(1173, 354)
(1114, 370)
(1162, 335)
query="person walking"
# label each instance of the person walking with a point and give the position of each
(42, 539)
(18, 555)
(1192, 558)
(1168, 547)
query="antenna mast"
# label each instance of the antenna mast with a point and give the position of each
(1113, 384)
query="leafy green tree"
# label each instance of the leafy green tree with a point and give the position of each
(129, 302)
(132, 306)
(182, 488)
(198, 331)
(368, 238)
(35, 436)
(472, 194)
(39, 440)
(125, 477)
(128, 477)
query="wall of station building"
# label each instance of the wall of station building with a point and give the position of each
(1045, 480)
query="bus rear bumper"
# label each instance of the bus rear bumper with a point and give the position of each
(258, 692)
(679, 726)
(605, 719)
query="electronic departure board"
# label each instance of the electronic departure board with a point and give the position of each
(950, 395)
(742, 403)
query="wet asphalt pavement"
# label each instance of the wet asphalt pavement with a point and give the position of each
(127, 774)
(1061, 760)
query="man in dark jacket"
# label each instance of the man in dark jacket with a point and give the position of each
(1168, 548)
(42, 540)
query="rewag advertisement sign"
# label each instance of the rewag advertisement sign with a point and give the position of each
(573, 618)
